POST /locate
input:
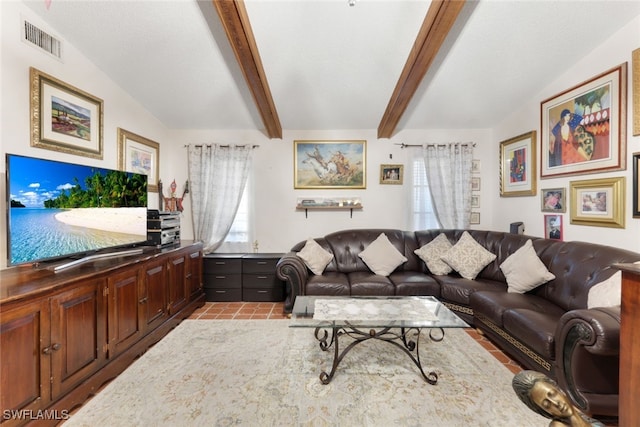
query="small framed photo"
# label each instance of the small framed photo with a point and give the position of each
(553, 227)
(64, 118)
(475, 200)
(475, 166)
(391, 174)
(475, 183)
(553, 200)
(518, 166)
(474, 218)
(140, 155)
(598, 202)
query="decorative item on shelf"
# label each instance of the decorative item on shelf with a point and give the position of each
(583, 129)
(172, 203)
(334, 203)
(255, 246)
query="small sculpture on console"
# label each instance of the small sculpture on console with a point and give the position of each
(172, 203)
(543, 395)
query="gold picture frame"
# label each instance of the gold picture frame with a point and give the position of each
(598, 202)
(583, 129)
(140, 155)
(518, 166)
(320, 164)
(64, 118)
(635, 61)
(391, 174)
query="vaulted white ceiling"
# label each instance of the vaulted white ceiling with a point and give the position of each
(329, 65)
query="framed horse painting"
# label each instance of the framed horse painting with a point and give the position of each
(322, 164)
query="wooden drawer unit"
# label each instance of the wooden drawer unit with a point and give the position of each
(259, 281)
(222, 277)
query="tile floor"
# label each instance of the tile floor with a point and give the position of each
(269, 310)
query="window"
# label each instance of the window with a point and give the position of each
(240, 235)
(423, 217)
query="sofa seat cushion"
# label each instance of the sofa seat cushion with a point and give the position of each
(329, 283)
(533, 328)
(368, 283)
(459, 290)
(492, 305)
(414, 283)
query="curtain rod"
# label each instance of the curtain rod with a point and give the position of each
(221, 145)
(403, 145)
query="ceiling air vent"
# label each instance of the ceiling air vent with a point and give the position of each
(41, 39)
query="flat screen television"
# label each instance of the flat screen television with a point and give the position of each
(63, 210)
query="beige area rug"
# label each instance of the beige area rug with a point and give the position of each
(263, 373)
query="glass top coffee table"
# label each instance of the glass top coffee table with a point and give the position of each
(397, 320)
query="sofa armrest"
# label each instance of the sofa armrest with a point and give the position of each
(596, 331)
(293, 271)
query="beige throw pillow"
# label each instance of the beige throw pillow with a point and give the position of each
(432, 252)
(381, 256)
(524, 270)
(607, 293)
(468, 257)
(315, 257)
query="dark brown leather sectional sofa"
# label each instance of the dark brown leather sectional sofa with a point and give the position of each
(548, 329)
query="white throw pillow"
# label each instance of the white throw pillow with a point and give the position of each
(607, 293)
(432, 252)
(315, 257)
(524, 270)
(468, 257)
(381, 256)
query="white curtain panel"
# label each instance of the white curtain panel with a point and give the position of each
(217, 176)
(448, 169)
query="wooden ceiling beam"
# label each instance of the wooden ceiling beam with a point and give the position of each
(235, 21)
(439, 20)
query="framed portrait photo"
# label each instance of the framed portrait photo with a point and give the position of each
(140, 155)
(391, 174)
(583, 129)
(598, 202)
(518, 166)
(64, 118)
(553, 227)
(322, 164)
(553, 200)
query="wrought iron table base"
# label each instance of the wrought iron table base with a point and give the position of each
(401, 340)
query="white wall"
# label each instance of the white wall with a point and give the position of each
(612, 52)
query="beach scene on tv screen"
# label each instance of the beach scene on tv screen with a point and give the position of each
(57, 209)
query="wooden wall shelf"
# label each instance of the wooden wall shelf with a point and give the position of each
(349, 208)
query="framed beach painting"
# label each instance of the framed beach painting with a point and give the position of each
(64, 118)
(583, 129)
(518, 166)
(320, 164)
(140, 155)
(598, 202)
(391, 174)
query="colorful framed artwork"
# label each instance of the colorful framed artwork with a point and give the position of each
(583, 130)
(64, 118)
(320, 164)
(553, 227)
(391, 174)
(553, 200)
(598, 202)
(636, 185)
(140, 155)
(518, 166)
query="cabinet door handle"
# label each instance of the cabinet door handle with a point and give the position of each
(221, 277)
(261, 277)
(262, 291)
(55, 347)
(143, 300)
(46, 350)
(262, 262)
